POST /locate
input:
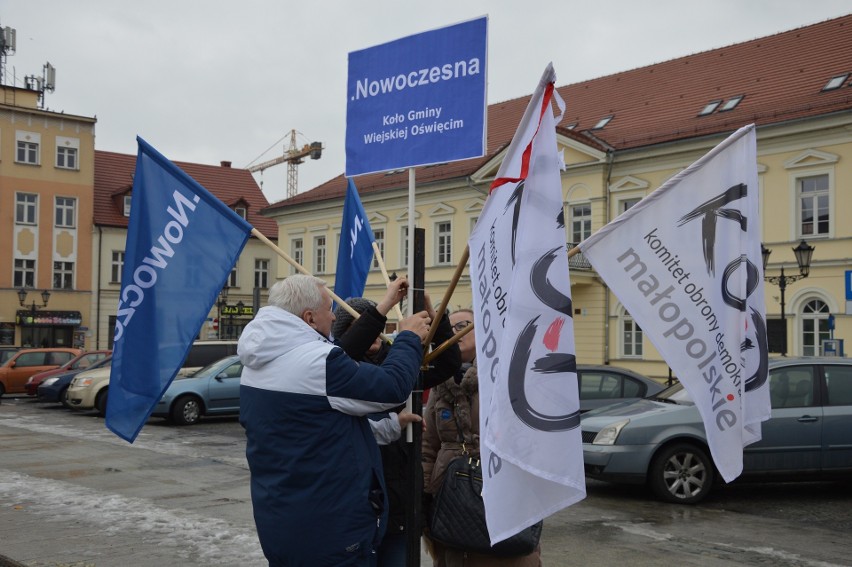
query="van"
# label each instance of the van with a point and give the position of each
(203, 353)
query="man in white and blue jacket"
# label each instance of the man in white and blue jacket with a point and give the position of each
(316, 473)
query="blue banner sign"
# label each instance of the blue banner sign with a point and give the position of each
(848, 285)
(418, 100)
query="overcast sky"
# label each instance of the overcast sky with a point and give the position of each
(205, 81)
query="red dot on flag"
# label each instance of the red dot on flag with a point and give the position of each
(730, 397)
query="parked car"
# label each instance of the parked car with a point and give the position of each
(79, 362)
(26, 362)
(213, 390)
(203, 353)
(661, 441)
(603, 385)
(7, 352)
(89, 390)
(55, 388)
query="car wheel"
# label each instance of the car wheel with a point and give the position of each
(681, 473)
(186, 410)
(63, 398)
(101, 402)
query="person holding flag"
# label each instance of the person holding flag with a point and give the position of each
(354, 336)
(318, 492)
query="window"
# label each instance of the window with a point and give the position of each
(403, 252)
(379, 237)
(297, 251)
(835, 82)
(625, 204)
(838, 381)
(603, 122)
(63, 275)
(66, 158)
(444, 243)
(232, 278)
(631, 336)
(791, 387)
(66, 208)
(813, 205)
(731, 104)
(24, 273)
(25, 208)
(27, 152)
(814, 326)
(710, 107)
(319, 254)
(116, 266)
(127, 205)
(242, 212)
(261, 273)
(581, 222)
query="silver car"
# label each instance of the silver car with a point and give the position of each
(660, 441)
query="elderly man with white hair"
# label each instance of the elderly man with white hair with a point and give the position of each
(317, 488)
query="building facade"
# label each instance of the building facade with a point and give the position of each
(46, 184)
(621, 137)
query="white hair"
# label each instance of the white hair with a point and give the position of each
(297, 293)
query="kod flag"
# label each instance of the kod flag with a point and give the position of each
(531, 448)
(686, 263)
(182, 243)
(355, 252)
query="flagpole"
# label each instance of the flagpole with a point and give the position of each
(447, 344)
(384, 270)
(442, 308)
(302, 270)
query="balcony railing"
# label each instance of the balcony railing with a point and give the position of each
(577, 262)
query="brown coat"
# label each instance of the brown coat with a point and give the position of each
(441, 444)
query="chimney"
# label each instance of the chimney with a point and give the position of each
(225, 163)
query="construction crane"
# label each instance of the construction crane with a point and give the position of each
(293, 156)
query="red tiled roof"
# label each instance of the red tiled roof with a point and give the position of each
(113, 178)
(780, 77)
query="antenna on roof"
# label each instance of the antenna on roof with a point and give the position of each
(7, 47)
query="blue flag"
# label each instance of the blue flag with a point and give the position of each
(181, 245)
(355, 253)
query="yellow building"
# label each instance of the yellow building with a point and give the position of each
(622, 136)
(46, 183)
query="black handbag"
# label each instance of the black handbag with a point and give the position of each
(458, 513)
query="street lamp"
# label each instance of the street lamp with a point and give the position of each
(22, 299)
(803, 253)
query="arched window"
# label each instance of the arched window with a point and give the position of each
(814, 326)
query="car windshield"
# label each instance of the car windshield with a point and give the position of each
(675, 394)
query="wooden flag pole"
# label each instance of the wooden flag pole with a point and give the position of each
(442, 308)
(302, 270)
(384, 270)
(446, 344)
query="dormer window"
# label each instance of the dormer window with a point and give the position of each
(731, 103)
(602, 122)
(710, 107)
(572, 125)
(242, 211)
(835, 82)
(127, 205)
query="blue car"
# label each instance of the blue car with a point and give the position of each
(54, 388)
(213, 390)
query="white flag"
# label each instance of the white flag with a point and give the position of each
(531, 449)
(686, 263)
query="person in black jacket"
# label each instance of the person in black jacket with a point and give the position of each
(362, 342)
